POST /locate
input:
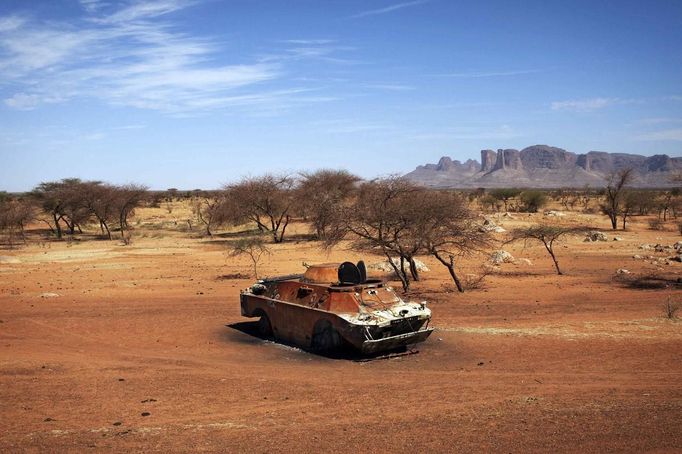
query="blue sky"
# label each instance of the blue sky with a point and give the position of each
(197, 93)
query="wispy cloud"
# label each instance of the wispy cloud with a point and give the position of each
(390, 87)
(135, 57)
(584, 105)
(501, 132)
(486, 74)
(388, 9)
(346, 126)
(674, 134)
(659, 120)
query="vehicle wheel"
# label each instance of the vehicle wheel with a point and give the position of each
(264, 327)
(325, 338)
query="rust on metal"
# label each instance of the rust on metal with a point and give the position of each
(332, 306)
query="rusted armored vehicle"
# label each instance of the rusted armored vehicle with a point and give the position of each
(334, 306)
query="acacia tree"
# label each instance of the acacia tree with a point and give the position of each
(445, 227)
(403, 220)
(615, 194)
(505, 195)
(548, 235)
(127, 198)
(265, 200)
(101, 199)
(319, 194)
(208, 209)
(14, 215)
(375, 219)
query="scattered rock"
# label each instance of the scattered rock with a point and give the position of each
(117, 423)
(386, 267)
(49, 295)
(622, 271)
(121, 379)
(637, 257)
(148, 400)
(596, 236)
(677, 246)
(554, 213)
(48, 419)
(646, 247)
(501, 256)
(617, 238)
(490, 226)
(676, 258)
(145, 413)
(508, 215)
(480, 364)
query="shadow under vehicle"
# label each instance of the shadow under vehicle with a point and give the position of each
(334, 306)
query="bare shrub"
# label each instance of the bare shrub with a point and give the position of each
(670, 309)
(548, 235)
(320, 192)
(656, 224)
(475, 281)
(265, 200)
(254, 247)
(614, 196)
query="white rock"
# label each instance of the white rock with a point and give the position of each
(49, 295)
(386, 267)
(554, 213)
(622, 271)
(617, 238)
(637, 257)
(490, 226)
(501, 256)
(646, 247)
(597, 236)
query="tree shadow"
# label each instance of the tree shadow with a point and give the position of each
(649, 282)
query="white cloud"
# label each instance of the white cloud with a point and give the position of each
(484, 74)
(22, 101)
(663, 135)
(388, 9)
(584, 105)
(145, 10)
(10, 23)
(128, 57)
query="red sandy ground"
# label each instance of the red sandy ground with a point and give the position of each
(532, 362)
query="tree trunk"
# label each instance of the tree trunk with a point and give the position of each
(551, 254)
(614, 220)
(403, 280)
(57, 226)
(450, 265)
(413, 269)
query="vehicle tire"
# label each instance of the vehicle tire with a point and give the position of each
(264, 327)
(325, 338)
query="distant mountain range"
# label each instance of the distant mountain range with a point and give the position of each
(542, 166)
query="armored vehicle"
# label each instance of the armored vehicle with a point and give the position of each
(333, 306)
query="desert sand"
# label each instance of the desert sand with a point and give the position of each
(114, 348)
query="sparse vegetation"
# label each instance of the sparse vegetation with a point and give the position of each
(548, 235)
(254, 247)
(671, 308)
(614, 195)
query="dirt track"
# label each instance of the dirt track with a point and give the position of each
(532, 362)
